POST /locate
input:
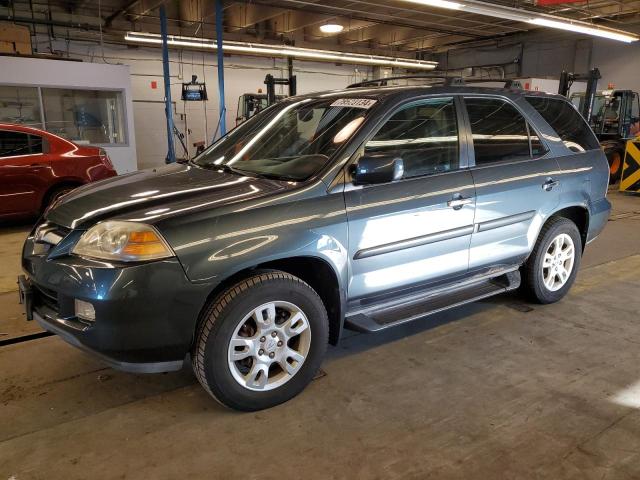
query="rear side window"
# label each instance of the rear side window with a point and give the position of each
(19, 143)
(500, 133)
(567, 122)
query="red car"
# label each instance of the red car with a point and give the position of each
(37, 167)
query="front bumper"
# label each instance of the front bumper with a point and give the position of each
(146, 313)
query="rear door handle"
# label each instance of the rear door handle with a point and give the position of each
(458, 203)
(550, 184)
(38, 165)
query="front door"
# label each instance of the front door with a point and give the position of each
(416, 230)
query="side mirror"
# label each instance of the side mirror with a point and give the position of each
(373, 169)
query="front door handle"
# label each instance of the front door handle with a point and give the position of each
(459, 202)
(550, 184)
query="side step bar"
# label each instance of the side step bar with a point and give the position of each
(374, 320)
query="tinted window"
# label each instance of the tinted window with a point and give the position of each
(423, 134)
(567, 122)
(500, 133)
(18, 143)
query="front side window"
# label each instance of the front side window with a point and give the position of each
(567, 122)
(13, 144)
(85, 116)
(290, 140)
(500, 132)
(423, 134)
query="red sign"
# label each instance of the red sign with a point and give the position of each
(557, 2)
(154, 84)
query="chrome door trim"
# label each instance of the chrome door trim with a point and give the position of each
(505, 221)
(413, 242)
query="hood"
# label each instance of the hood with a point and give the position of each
(165, 191)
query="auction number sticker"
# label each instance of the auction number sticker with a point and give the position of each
(365, 103)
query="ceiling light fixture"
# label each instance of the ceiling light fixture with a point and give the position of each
(244, 48)
(331, 28)
(534, 18)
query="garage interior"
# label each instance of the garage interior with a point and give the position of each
(500, 388)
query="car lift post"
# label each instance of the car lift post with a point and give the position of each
(168, 109)
(222, 107)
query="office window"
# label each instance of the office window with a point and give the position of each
(500, 132)
(20, 105)
(424, 134)
(85, 116)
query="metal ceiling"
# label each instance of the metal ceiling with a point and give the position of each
(382, 26)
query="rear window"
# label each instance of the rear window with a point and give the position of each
(567, 122)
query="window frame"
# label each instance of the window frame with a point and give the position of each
(529, 124)
(463, 152)
(43, 124)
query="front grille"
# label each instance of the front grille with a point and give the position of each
(49, 233)
(45, 297)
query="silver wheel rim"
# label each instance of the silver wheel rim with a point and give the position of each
(558, 261)
(269, 346)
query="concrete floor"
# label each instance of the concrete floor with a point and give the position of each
(498, 389)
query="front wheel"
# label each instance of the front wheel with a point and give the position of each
(261, 341)
(552, 267)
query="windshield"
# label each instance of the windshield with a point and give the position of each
(289, 141)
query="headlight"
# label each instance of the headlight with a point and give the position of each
(123, 241)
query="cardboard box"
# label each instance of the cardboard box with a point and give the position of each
(15, 39)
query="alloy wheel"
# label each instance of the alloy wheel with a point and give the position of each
(269, 346)
(558, 262)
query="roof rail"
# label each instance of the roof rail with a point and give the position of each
(381, 82)
(447, 80)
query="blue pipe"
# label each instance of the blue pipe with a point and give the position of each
(222, 107)
(168, 110)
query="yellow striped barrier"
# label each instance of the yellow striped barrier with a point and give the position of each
(630, 179)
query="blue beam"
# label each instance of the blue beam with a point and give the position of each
(168, 109)
(222, 107)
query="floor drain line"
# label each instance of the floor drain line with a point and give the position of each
(24, 338)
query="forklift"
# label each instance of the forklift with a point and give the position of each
(612, 114)
(251, 103)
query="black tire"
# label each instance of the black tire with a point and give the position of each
(222, 316)
(615, 157)
(532, 272)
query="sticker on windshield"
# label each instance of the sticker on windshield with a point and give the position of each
(365, 103)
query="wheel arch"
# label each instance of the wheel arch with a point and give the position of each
(314, 270)
(579, 215)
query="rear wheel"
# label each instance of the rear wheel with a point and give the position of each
(261, 341)
(553, 265)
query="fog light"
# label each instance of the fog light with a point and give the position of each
(85, 310)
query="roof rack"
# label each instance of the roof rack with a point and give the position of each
(446, 80)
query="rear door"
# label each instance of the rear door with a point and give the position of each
(515, 180)
(24, 173)
(413, 231)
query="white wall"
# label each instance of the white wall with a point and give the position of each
(619, 64)
(242, 75)
(69, 74)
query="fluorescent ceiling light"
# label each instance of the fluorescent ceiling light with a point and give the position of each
(244, 48)
(534, 18)
(331, 28)
(580, 28)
